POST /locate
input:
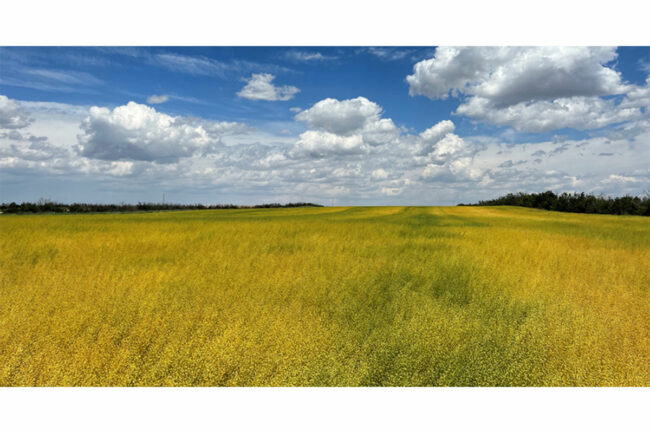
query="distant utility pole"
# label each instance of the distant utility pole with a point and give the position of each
(163, 197)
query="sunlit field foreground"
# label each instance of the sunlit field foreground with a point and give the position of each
(416, 296)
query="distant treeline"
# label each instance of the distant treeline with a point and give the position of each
(49, 206)
(579, 203)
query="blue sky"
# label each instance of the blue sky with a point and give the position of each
(343, 125)
(133, 74)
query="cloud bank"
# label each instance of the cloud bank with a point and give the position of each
(532, 89)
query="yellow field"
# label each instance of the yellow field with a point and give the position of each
(460, 296)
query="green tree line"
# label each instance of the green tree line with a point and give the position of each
(575, 202)
(46, 206)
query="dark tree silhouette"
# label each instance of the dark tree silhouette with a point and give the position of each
(578, 203)
(45, 206)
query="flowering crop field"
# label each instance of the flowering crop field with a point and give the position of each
(362, 296)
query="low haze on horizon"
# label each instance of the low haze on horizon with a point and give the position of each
(332, 125)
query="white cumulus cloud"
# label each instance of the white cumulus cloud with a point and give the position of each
(533, 89)
(261, 87)
(509, 75)
(12, 115)
(351, 126)
(139, 132)
(340, 117)
(430, 137)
